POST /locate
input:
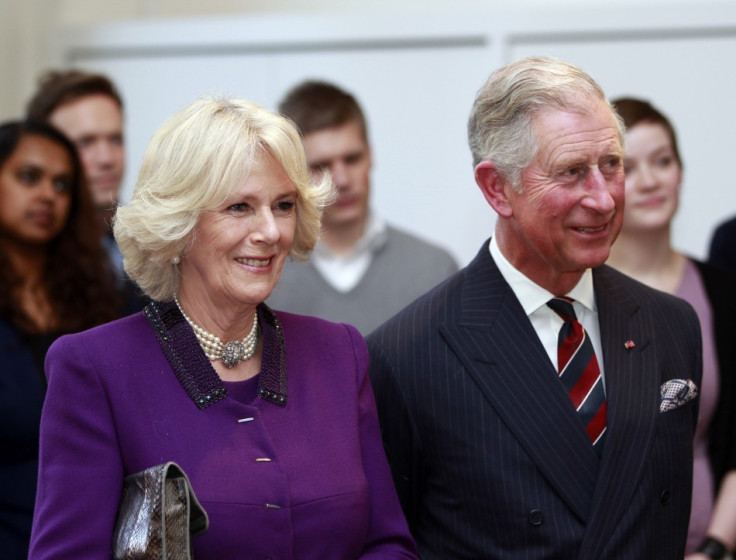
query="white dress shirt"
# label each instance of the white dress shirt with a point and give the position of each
(546, 322)
(344, 272)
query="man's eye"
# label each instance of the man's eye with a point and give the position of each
(610, 164)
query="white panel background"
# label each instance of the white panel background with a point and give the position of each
(417, 79)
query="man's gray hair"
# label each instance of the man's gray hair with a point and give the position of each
(501, 123)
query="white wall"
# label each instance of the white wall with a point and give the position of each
(28, 28)
(417, 77)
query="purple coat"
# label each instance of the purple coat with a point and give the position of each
(298, 473)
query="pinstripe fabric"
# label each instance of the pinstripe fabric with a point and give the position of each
(489, 457)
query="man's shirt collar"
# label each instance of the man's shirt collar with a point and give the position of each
(531, 295)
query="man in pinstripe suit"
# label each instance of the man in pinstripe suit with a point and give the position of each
(489, 455)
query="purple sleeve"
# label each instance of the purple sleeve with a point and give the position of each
(80, 472)
(388, 535)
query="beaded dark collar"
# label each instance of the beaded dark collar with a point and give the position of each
(194, 370)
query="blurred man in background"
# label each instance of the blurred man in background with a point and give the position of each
(362, 270)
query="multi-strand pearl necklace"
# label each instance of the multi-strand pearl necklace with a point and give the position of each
(231, 353)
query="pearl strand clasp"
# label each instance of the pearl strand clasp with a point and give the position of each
(231, 353)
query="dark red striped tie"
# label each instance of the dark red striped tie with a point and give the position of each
(579, 372)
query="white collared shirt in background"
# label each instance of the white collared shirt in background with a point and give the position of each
(344, 272)
(546, 322)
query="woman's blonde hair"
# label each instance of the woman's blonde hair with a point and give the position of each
(190, 166)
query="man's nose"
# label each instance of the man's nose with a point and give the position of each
(598, 195)
(104, 152)
(339, 174)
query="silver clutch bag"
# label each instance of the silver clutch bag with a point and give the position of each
(158, 515)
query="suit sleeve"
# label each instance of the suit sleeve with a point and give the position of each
(388, 535)
(400, 438)
(80, 471)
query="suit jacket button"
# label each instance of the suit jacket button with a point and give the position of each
(535, 517)
(664, 497)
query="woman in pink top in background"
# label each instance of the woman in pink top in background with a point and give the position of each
(644, 251)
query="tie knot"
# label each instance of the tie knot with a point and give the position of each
(564, 308)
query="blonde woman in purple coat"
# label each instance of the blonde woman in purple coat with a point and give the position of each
(271, 415)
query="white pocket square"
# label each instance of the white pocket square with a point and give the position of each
(677, 392)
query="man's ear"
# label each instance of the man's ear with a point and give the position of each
(494, 187)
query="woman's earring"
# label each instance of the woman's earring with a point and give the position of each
(176, 260)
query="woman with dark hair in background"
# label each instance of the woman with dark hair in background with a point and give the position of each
(644, 251)
(54, 279)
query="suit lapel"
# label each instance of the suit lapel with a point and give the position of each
(500, 350)
(633, 406)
